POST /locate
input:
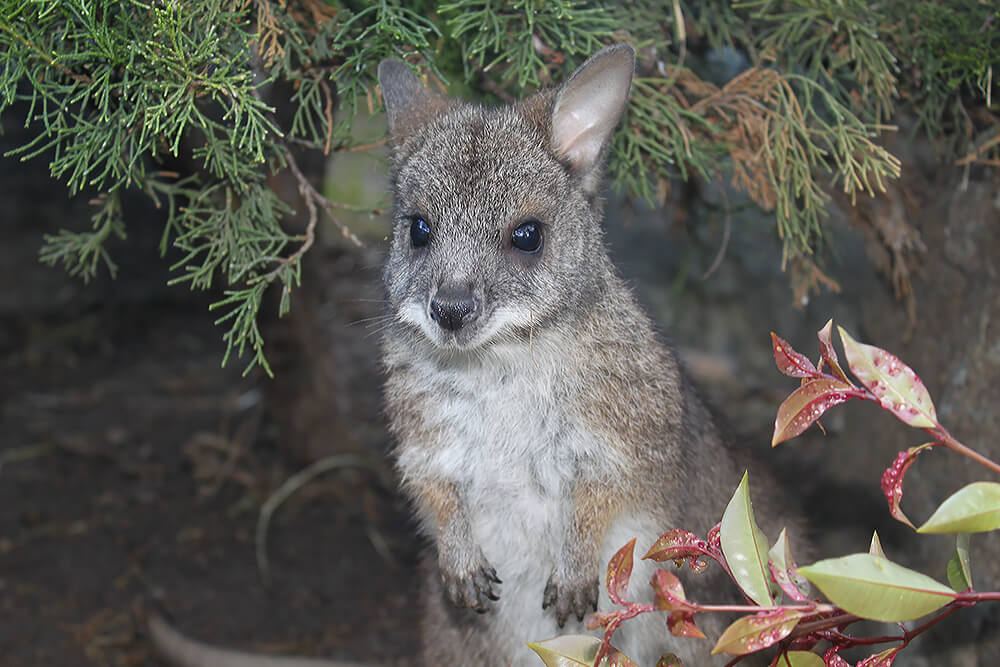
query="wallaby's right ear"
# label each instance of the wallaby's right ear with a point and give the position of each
(408, 104)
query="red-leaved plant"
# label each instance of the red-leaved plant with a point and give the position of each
(780, 616)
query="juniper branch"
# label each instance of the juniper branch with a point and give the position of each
(115, 89)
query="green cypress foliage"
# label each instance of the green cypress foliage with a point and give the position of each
(118, 90)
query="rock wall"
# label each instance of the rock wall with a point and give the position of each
(948, 330)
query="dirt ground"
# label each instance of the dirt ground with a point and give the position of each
(132, 468)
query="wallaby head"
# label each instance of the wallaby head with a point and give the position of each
(496, 222)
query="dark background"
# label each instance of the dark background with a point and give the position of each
(132, 466)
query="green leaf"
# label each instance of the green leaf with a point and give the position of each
(896, 386)
(959, 567)
(974, 508)
(807, 404)
(754, 633)
(876, 588)
(567, 650)
(745, 547)
(800, 659)
(577, 651)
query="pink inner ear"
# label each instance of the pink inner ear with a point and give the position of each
(588, 108)
(576, 141)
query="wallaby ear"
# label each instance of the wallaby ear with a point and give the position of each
(408, 104)
(589, 105)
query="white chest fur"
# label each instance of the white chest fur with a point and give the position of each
(511, 444)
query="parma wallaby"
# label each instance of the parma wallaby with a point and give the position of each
(540, 421)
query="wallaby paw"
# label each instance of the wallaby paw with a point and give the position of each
(578, 597)
(475, 589)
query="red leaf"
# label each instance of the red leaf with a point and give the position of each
(714, 538)
(600, 619)
(883, 659)
(892, 480)
(789, 361)
(616, 658)
(697, 566)
(669, 660)
(678, 545)
(608, 655)
(619, 573)
(782, 566)
(681, 624)
(829, 354)
(807, 404)
(669, 592)
(893, 383)
(832, 659)
(785, 583)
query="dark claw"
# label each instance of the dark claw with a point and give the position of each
(475, 591)
(549, 596)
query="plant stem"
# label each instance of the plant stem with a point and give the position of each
(817, 608)
(845, 641)
(973, 597)
(803, 629)
(949, 441)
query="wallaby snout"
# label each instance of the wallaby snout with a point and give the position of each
(452, 308)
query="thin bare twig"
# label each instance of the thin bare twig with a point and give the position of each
(360, 147)
(290, 486)
(356, 148)
(314, 198)
(727, 224)
(974, 156)
(328, 112)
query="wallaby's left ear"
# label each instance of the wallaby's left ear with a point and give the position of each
(589, 105)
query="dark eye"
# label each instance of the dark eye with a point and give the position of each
(527, 237)
(420, 231)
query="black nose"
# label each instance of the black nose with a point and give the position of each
(452, 308)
